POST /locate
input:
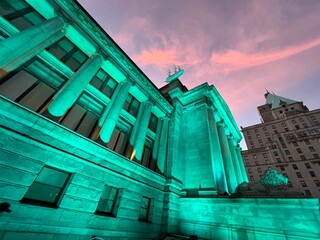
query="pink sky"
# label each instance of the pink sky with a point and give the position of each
(242, 47)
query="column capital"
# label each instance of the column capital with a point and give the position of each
(59, 13)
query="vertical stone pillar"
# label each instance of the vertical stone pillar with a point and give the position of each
(235, 161)
(162, 152)
(19, 48)
(227, 159)
(70, 92)
(139, 131)
(241, 164)
(110, 116)
(216, 155)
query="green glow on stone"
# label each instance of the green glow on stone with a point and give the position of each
(113, 71)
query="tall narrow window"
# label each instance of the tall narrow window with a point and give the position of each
(131, 105)
(145, 209)
(47, 187)
(109, 201)
(153, 122)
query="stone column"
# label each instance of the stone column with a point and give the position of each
(110, 115)
(162, 152)
(241, 164)
(139, 131)
(216, 155)
(70, 92)
(236, 165)
(227, 159)
(19, 48)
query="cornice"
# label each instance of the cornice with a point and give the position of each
(107, 45)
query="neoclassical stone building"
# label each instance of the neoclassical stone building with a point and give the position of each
(90, 147)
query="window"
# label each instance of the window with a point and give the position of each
(307, 142)
(109, 201)
(247, 164)
(254, 156)
(273, 127)
(276, 154)
(256, 130)
(251, 178)
(311, 149)
(313, 117)
(118, 141)
(248, 132)
(308, 193)
(305, 125)
(104, 83)
(20, 14)
(47, 187)
(257, 163)
(25, 88)
(147, 160)
(284, 125)
(246, 158)
(312, 174)
(131, 105)
(260, 140)
(286, 129)
(317, 182)
(294, 166)
(259, 170)
(266, 133)
(297, 126)
(294, 121)
(249, 137)
(276, 131)
(250, 170)
(269, 139)
(299, 150)
(145, 209)
(264, 129)
(307, 165)
(295, 144)
(285, 174)
(303, 184)
(264, 155)
(153, 123)
(303, 157)
(284, 145)
(278, 160)
(299, 174)
(258, 135)
(68, 53)
(301, 120)
(282, 168)
(267, 161)
(315, 155)
(290, 159)
(287, 152)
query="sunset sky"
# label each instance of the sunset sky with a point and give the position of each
(242, 47)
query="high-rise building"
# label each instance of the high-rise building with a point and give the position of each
(90, 148)
(288, 140)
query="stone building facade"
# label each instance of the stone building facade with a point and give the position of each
(90, 147)
(287, 139)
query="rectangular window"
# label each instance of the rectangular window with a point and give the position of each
(131, 105)
(311, 149)
(47, 187)
(307, 165)
(287, 152)
(153, 123)
(145, 209)
(68, 53)
(20, 14)
(266, 133)
(257, 163)
(303, 157)
(109, 201)
(104, 83)
(312, 174)
(299, 150)
(297, 126)
(251, 178)
(307, 142)
(118, 141)
(299, 174)
(282, 168)
(294, 121)
(303, 184)
(284, 145)
(308, 193)
(317, 182)
(305, 125)
(275, 154)
(294, 166)
(249, 170)
(290, 159)
(264, 129)
(295, 144)
(259, 170)
(273, 127)
(264, 155)
(316, 155)
(284, 124)
(301, 120)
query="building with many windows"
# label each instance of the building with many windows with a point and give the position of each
(90, 147)
(287, 139)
